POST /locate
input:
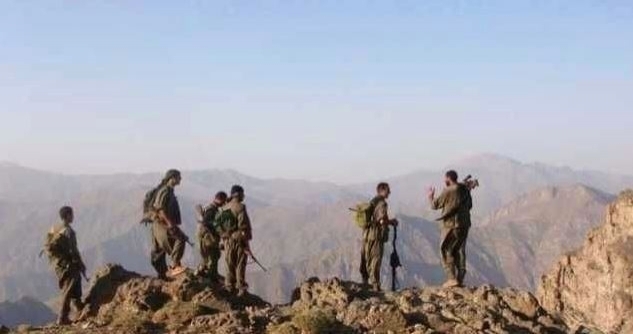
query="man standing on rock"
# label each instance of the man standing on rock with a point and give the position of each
(455, 202)
(236, 232)
(167, 238)
(61, 247)
(375, 235)
(209, 237)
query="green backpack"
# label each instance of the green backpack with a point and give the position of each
(225, 223)
(55, 245)
(363, 213)
(149, 214)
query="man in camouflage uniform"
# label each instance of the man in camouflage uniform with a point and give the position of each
(236, 242)
(375, 235)
(455, 202)
(209, 237)
(167, 238)
(67, 263)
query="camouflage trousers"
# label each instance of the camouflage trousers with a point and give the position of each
(453, 251)
(162, 244)
(209, 252)
(69, 280)
(371, 260)
(236, 260)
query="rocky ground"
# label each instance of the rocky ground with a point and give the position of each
(124, 302)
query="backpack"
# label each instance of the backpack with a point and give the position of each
(225, 222)
(149, 214)
(55, 245)
(363, 213)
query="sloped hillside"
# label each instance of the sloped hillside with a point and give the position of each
(593, 285)
(529, 234)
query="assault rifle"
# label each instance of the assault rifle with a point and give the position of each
(83, 273)
(250, 253)
(176, 232)
(470, 183)
(199, 213)
(200, 217)
(394, 260)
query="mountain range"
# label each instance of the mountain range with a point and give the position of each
(525, 216)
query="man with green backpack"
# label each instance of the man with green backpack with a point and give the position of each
(373, 218)
(64, 256)
(209, 236)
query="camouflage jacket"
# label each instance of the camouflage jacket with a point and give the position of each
(378, 228)
(244, 231)
(167, 202)
(70, 256)
(455, 202)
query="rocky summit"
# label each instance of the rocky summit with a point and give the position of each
(120, 301)
(592, 287)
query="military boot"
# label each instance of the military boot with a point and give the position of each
(451, 283)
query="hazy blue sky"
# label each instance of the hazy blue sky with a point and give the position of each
(334, 90)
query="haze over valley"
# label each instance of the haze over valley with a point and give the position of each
(526, 215)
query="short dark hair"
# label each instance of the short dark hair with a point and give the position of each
(65, 212)
(452, 175)
(236, 189)
(221, 196)
(382, 186)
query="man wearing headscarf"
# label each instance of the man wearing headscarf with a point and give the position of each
(165, 239)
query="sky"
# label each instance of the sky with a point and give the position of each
(341, 91)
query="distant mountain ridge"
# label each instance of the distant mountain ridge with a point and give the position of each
(528, 234)
(295, 222)
(517, 245)
(25, 311)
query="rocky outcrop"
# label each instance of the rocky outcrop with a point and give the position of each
(120, 301)
(345, 305)
(593, 286)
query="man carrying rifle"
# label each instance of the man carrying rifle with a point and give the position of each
(455, 203)
(236, 232)
(63, 254)
(375, 235)
(167, 237)
(209, 237)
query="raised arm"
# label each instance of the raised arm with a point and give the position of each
(437, 202)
